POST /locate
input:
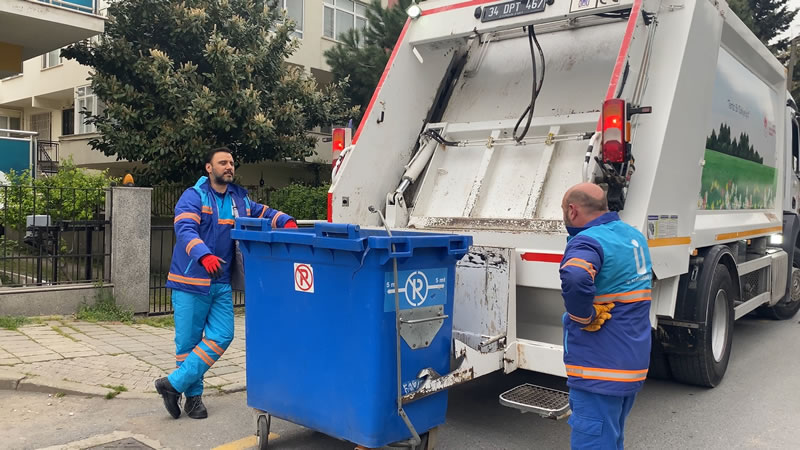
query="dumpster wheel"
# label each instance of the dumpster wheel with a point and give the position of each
(262, 430)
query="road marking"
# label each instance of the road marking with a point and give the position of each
(244, 443)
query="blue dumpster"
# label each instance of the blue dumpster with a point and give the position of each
(321, 336)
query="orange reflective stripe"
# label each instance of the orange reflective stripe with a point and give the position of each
(583, 264)
(207, 210)
(643, 291)
(187, 215)
(594, 373)
(181, 357)
(213, 346)
(206, 359)
(192, 244)
(225, 221)
(186, 280)
(584, 321)
(275, 219)
(263, 211)
(624, 297)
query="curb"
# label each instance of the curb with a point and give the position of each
(52, 386)
(11, 380)
(234, 387)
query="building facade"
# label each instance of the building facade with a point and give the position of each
(48, 94)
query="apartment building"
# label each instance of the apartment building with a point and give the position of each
(49, 92)
(29, 28)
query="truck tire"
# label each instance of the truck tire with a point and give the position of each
(788, 306)
(708, 364)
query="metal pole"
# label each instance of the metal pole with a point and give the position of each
(792, 61)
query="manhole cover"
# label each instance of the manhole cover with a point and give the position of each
(128, 443)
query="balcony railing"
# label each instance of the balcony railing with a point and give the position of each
(85, 6)
(47, 160)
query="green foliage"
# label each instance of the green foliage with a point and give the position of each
(179, 78)
(70, 194)
(158, 322)
(104, 309)
(13, 322)
(115, 390)
(360, 57)
(740, 149)
(302, 202)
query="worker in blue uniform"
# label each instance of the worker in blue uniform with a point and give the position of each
(205, 263)
(606, 266)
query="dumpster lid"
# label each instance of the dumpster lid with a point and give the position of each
(348, 237)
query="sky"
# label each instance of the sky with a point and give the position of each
(794, 28)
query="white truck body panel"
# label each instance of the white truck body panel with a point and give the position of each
(508, 195)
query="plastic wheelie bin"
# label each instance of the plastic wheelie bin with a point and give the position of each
(325, 318)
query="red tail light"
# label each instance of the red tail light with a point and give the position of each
(614, 148)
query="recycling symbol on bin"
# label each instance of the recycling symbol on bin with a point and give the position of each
(417, 288)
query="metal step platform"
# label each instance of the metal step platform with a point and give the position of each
(546, 402)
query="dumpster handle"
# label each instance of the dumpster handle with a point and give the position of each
(415, 439)
(427, 319)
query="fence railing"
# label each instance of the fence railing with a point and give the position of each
(165, 197)
(47, 159)
(53, 236)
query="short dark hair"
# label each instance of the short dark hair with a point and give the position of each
(211, 153)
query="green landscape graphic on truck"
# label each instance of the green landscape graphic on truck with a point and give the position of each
(739, 171)
(734, 176)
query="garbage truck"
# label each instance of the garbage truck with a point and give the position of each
(489, 110)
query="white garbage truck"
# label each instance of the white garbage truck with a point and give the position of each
(489, 110)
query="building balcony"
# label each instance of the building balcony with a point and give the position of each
(30, 28)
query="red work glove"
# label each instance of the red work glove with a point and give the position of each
(290, 224)
(212, 264)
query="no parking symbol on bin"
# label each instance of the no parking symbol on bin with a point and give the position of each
(417, 288)
(303, 278)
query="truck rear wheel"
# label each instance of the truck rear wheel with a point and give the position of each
(714, 311)
(790, 303)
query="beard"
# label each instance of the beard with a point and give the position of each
(224, 178)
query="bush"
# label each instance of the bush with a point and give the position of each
(70, 194)
(301, 201)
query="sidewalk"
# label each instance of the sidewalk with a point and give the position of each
(75, 357)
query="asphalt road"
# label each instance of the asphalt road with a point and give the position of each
(756, 406)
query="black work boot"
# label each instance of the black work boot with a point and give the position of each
(172, 398)
(195, 408)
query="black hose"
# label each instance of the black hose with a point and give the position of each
(438, 138)
(537, 86)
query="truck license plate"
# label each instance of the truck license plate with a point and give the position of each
(512, 9)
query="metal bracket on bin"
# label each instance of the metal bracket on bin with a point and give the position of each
(419, 326)
(415, 439)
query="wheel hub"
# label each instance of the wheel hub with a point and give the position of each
(719, 325)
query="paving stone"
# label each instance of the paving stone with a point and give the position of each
(47, 357)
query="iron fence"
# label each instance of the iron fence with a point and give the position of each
(164, 198)
(162, 242)
(53, 236)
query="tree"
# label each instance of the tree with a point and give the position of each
(767, 19)
(179, 78)
(361, 56)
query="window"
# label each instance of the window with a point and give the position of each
(10, 121)
(51, 59)
(85, 101)
(68, 122)
(340, 16)
(294, 9)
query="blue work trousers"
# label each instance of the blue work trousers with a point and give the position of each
(598, 421)
(203, 331)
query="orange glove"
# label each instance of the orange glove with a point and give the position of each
(290, 224)
(601, 315)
